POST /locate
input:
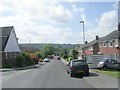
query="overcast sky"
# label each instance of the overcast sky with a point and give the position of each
(51, 21)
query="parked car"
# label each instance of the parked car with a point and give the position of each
(77, 67)
(46, 60)
(109, 64)
(58, 58)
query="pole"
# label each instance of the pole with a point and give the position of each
(83, 39)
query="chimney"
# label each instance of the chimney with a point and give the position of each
(86, 42)
(97, 37)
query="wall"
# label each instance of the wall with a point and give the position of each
(95, 48)
(12, 44)
(9, 57)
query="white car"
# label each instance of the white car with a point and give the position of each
(46, 60)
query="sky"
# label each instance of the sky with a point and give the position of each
(52, 21)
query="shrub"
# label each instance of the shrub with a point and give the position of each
(28, 60)
(35, 58)
(7, 66)
(65, 56)
(19, 61)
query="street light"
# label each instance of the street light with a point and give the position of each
(83, 38)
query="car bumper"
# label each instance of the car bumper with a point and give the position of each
(79, 72)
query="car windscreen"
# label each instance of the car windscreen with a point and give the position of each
(78, 63)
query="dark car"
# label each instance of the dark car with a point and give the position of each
(78, 67)
(109, 64)
(58, 58)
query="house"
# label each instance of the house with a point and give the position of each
(108, 46)
(9, 47)
(28, 49)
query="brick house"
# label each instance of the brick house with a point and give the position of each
(109, 46)
(9, 47)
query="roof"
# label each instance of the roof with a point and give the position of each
(110, 36)
(27, 48)
(4, 36)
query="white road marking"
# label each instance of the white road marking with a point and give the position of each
(13, 75)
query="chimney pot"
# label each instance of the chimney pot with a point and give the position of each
(97, 37)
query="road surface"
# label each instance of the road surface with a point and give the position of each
(50, 75)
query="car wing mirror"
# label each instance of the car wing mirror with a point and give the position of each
(67, 64)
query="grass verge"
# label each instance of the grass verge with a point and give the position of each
(115, 74)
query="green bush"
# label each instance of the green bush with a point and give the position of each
(7, 66)
(19, 61)
(28, 60)
(23, 60)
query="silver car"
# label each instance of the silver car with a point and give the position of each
(109, 64)
(46, 60)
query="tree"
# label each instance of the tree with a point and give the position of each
(47, 50)
(64, 53)
(73, 54)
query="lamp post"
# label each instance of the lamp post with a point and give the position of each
(83, 38)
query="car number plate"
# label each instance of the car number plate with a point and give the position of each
(79, 71)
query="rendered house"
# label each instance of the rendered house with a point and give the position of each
(9, 47)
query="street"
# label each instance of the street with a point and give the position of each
(50, 75)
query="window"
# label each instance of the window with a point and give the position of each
(6, 55)
(10, 54)
(110, 43)
(116, 43)
(104, 44)
(101, 44)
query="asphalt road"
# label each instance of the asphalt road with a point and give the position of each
(50, 75)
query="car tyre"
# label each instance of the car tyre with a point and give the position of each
(87, 74)
(105, 68)
(67, 72)
(71, 75)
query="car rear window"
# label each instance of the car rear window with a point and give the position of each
(78, 62)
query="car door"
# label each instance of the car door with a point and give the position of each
(113, 64)
(110, 64)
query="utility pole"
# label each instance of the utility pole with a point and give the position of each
(83, 39)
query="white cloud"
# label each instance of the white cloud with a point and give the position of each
(106, 24)
(37, 9)
(30, 20)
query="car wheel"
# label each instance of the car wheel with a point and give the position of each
(71, 75)
(99, 68)
(67, 72)
(105, 68)
(87, 74)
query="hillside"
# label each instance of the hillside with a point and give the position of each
(40, 45)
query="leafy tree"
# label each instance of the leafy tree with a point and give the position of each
(64, 53)
(47, 50)
(73, 54)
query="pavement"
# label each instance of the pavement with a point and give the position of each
(21, 68)
(99, 80)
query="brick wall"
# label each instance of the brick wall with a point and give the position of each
(109, 50)
(9, 57)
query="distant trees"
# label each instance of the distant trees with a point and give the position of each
(73, 54)
(69, 54)
(46, 50)
(65, 53)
